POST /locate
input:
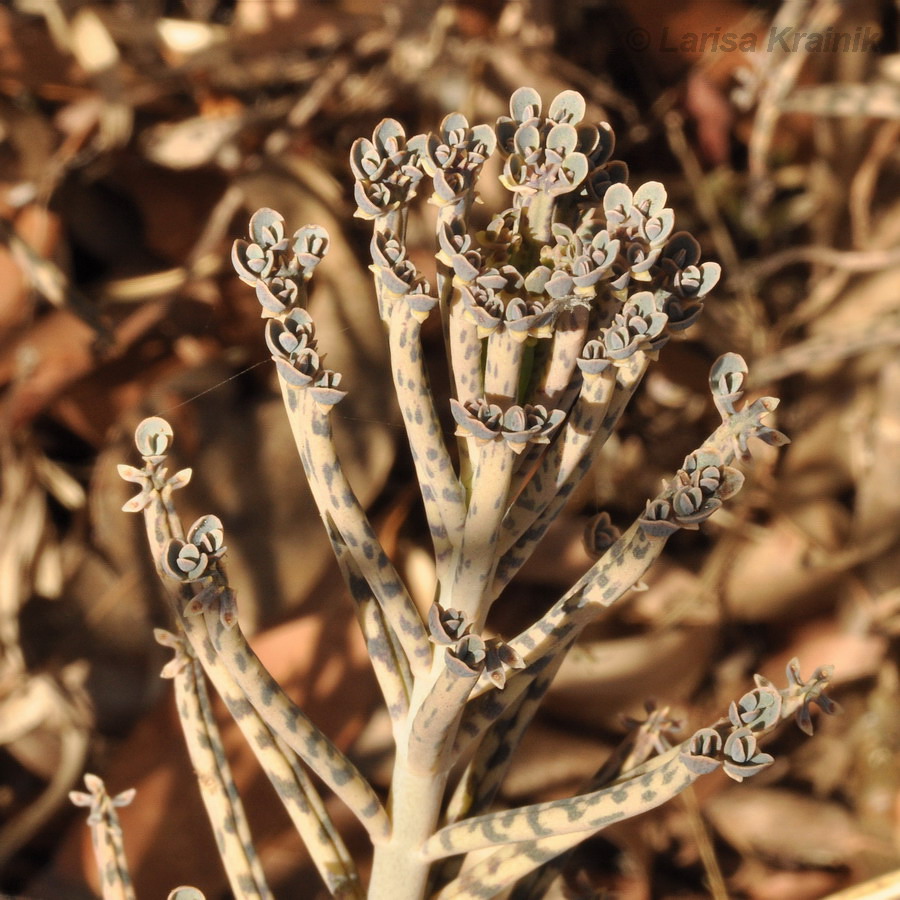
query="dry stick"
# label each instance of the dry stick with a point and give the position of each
(776, 88)
(74, 745)
(826, 348)
(442, 493)
(872, 99)
(718, 889)
(750, 307)
(311, 427)
(883, 887)
(845, 260)
(862, 187)
(823, 294)
(299, 797)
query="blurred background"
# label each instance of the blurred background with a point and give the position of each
(135, 140)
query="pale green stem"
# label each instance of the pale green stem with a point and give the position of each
(500, 720)
(394, 223)
(639, 745)
(485, 773)
(534, 490)
(615, 573)
(539, 213)
(293, 727)
(389, 662)
(527, 837)
(434, 726)
(477, 554)
(317, 831)
(502, 367)
(302, 803)
(220, 797)
(109, 854)
(442, 494)
(645, 788)
(311, 427)
(569, 333)
(300, 799)
(484, 708)
(629, 557)
(465, 350)
(399, 871)
(542, 515)
(558, 386)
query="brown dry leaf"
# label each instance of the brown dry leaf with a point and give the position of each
(38, 230)
(788, 829)
(761, 882)
(600, 680)
(552, 763)
(788, 568)
(824, 641)
(818, 464)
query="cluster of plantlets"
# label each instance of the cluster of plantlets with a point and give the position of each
(551, 314)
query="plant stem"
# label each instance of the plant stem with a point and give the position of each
(400, 870)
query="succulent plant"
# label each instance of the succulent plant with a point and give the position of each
(552, 315)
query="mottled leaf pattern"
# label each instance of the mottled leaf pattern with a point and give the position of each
(552, 315)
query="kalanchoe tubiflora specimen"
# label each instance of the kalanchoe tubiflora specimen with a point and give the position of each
(551, 316)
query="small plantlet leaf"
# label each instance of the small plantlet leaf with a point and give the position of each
(185, 893)
(153, 437)
(600, 534)
(757, 709)
(524, 104)
(267, 227)
(446, 626)
(703, 750)
(726, 381)
(568, 107)
(742, 758)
